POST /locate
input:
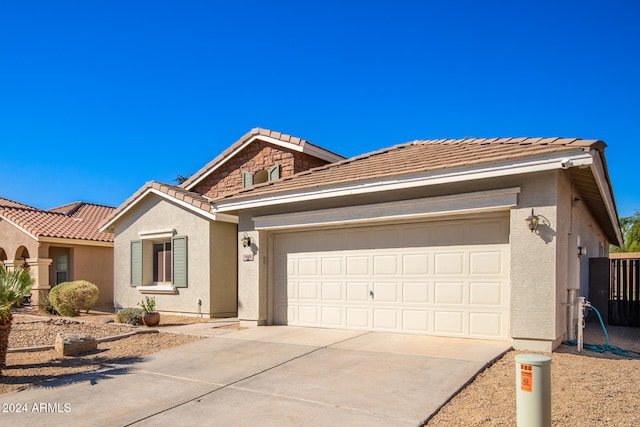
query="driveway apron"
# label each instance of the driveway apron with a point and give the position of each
(274, 375)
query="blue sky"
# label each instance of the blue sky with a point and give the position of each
(98, 97)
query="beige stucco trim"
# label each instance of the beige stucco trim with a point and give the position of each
(157, 234)
(481, 201)
(156, 289)
(397, 183)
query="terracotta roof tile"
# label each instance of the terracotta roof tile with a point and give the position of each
(6, 203)
(418, 157)
(78, 220)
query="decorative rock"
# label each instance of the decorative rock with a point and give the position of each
(72, 344)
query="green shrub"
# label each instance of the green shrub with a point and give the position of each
(69, 298)
(44, 304)
(131, 316)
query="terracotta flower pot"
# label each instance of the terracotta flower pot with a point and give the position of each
(151, 319)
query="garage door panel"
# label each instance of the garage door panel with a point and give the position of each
(332, 316)
(449, 322)
(357, 265)
(331, 266)
(385, 265)
(415, 292)
(331, 291)
(486, 324)
(485, 262)
(485, 293)
(307, 267)
(308, 291)
(358, 317)
(415, 264)
(308, 315)
(449, 263)
(386, 319)
(415, 320)
(386, 292)
(395, 279)
(357, 291)
(449, 292)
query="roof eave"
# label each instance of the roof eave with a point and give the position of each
(558, 161)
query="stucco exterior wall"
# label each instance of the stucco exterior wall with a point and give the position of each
(94, 264)
(533, 264)
(252, 275)
(12, 238)
(224, 269)
(155, 213)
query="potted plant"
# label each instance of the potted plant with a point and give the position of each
(15, 286)
(150, 317)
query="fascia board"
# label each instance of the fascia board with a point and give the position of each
(465, 203)
(305, 148)
(397, 183)
(597, 168)
(75, 242)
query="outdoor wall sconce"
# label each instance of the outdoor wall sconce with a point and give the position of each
(532, 221)
(246, 240)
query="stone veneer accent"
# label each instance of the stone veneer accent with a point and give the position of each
(257, 156)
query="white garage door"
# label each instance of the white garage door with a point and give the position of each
(447, 278)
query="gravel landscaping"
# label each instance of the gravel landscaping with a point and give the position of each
(28, 368)
(588, 389)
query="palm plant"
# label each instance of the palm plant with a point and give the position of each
(15, 285)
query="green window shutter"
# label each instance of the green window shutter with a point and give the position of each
(247, 179)
(274, 172)
(179, 261)
(136, 263)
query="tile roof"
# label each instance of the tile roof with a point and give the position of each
(195, 199)
(419, 157)
(6, 203)
(77, 220)
(246, 137)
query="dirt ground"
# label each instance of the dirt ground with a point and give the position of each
(30, 329)
(588, 388)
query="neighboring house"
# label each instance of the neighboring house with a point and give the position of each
(427, 237)
(58, 245)
(169, 242)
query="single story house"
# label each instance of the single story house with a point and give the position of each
(170, 243)
(58, 245)
(470, 238)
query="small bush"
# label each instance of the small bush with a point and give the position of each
(69, 298)
(44, 304)
(131, 316)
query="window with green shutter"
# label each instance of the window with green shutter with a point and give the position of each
(136, 263)
(179, 261)
(274, 172)
(247, 179)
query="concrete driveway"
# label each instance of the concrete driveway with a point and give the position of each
(267, 376)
